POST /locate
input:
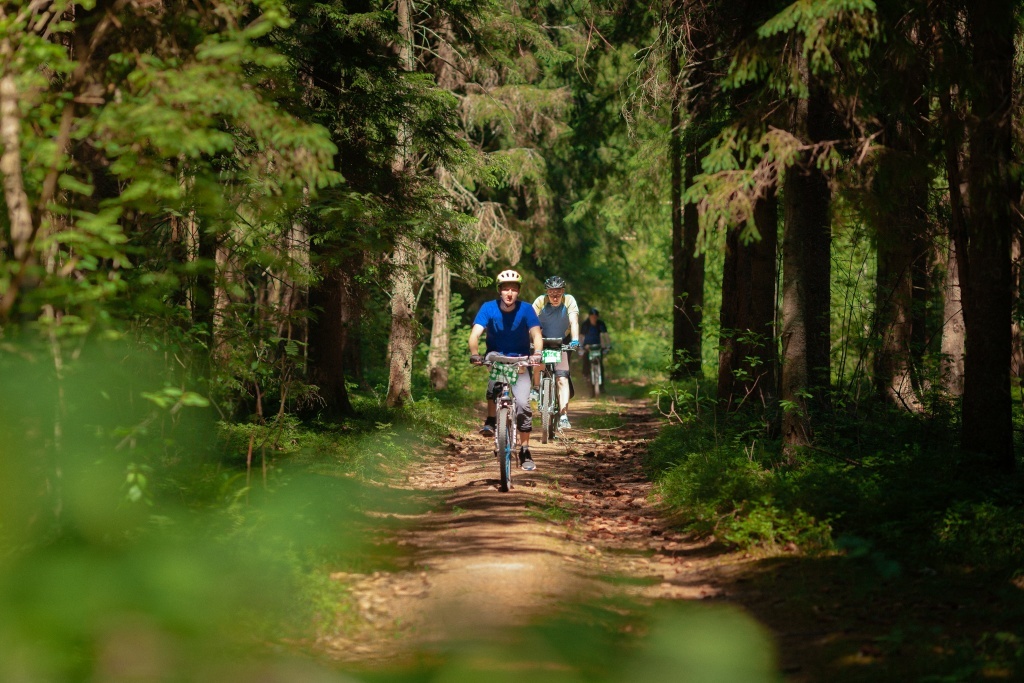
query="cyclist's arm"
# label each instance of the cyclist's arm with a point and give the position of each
(574, 317)
(537, 339)
(474, 339)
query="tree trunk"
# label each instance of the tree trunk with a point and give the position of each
(1017, 343)
(329, 300)
(437, 360)
(19, 213)
(987, 427)
(952, 325)
(806, 270)
(894, 296)
(204, 294)
(747, 357)
(403, 335)
(687, 268)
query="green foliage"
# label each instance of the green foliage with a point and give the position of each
(739, 493)
(129, 526)
(877, 486)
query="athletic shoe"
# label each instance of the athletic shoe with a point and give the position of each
(525, 460)
(535, 396)
(487, 430)
(563, 422)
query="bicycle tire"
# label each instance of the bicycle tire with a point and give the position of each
(545, 409)
(504, 451)
(595, 379)
(553, 407)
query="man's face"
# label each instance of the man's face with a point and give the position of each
(593, 318)
(508, 292)
(555, 296)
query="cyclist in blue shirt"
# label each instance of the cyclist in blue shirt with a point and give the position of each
(513, 329)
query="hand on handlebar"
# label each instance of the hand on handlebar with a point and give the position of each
(535, 359)
(574, 344)
(476, 359)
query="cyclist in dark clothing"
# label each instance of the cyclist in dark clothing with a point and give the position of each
(593, 332)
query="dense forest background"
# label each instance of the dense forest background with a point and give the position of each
(237, 234)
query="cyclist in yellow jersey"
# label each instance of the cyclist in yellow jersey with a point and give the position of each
(559, 318)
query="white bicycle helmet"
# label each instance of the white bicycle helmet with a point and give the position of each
(508, 276)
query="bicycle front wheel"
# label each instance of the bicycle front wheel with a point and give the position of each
(595, 378)
(547, 418)
(504, 440)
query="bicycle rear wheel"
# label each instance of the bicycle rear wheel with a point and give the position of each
(505, 446)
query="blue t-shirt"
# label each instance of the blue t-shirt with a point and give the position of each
(508, 333)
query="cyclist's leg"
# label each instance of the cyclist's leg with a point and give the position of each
(524, 416)
(493, 388)
(562, 375)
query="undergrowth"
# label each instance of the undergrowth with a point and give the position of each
(878, 483)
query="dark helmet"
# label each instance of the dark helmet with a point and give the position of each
(593, 311)
(554, 282)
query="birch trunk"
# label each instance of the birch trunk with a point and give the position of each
(437, 361)
(403, 336)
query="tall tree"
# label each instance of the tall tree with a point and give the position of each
(684, 160)
(987, 289)
(403, 301)
(747, 359)
(806, 293)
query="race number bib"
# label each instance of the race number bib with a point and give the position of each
(551, 356)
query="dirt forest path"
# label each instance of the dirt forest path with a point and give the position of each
(482, 561)
(467, 565)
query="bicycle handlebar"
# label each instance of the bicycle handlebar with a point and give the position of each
(492, 358)
(556, 343)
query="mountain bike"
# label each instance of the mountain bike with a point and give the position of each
(505, 371)
(594, 354)
(547, 402)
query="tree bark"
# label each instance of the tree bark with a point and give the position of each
(687, 267)
(403, 335)
(437, 360)
(747, 360)
(19, 213)
(987, 427)
(330, 301)
(894, 296)
(1017, 342)
(204, 293)
(901, 281)
(952, 324)
(806, 270)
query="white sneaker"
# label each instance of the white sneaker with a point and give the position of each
(535, 396)
(563, 422)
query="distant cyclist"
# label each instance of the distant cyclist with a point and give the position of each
(512, 330)
(559, 318)
(595, 334)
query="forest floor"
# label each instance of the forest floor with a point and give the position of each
(474, 566)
